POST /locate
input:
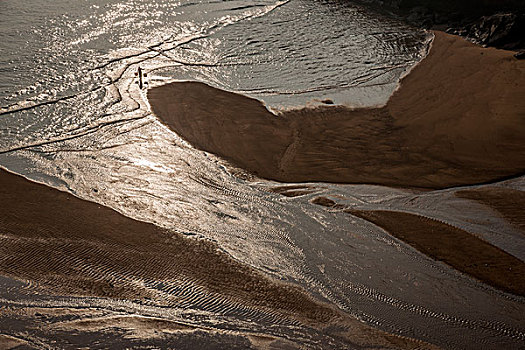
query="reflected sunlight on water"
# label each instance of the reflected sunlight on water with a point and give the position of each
(72, 115)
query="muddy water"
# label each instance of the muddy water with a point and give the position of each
(73, 117)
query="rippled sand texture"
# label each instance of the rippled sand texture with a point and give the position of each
(73, 247)
(457, 119)
(73, 117)
(454, 246)
(506, 201)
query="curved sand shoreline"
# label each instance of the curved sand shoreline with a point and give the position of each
(80, 251)
(458, 118)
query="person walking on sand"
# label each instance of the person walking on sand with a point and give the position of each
(140, 77)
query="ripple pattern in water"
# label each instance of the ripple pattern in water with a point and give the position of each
(73, 116)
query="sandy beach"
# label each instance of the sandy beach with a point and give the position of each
(456, 247)
(262, 174)
(80, 251)
(456, 119)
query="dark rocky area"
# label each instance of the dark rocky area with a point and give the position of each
(495, 23)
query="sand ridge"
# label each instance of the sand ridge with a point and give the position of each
(458, 118)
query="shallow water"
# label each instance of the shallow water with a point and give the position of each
(72, 116)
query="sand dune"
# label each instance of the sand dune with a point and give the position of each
(458, 118)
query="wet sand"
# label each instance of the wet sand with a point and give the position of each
(457, 118)
(7, 342)
(458, 248)
(73, 247)
(507, 202)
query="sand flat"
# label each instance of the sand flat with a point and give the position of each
(456, 247)
(74, 247)
(510, 203)
(458, 118)
(8, 342)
